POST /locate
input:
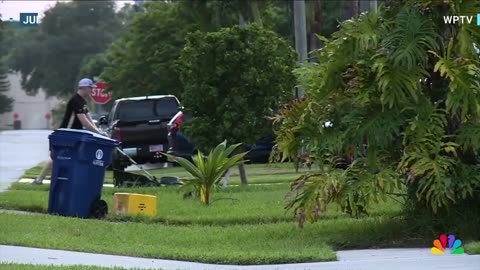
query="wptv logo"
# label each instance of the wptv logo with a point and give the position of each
(461, 19)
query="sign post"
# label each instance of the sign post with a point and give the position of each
(48, 116)
(17, 124)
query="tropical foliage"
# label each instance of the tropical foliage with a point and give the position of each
(400, 89)
(5, 101)
(207, 171)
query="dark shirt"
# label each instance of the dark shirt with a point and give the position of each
(76, 105)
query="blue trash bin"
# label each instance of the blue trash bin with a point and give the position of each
(80, 158)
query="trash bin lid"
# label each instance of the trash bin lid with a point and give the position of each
(84, 135)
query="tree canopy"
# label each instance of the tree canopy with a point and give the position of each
(55, 50)
(73, 38)
(142, 61)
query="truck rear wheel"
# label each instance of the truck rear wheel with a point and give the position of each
(119, 162)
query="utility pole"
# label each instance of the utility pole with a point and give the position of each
(300, 33)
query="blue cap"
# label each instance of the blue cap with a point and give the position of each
(86, 83)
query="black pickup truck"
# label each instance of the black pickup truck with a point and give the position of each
(140, 124)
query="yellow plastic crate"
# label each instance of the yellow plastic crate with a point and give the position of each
(132, 203)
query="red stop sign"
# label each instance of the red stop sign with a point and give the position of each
(99, 93)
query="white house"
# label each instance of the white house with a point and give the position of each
(31, 110)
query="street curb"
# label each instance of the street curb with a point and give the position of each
(47, 182)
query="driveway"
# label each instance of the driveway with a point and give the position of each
(19, 151)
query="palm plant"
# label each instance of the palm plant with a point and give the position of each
(207, 171)
(401, 90)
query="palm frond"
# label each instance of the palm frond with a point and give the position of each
(366, 31)
(469, 137)
(397, 85)
(464, 95)
(410, 39)
(207, 171)
(187, 165)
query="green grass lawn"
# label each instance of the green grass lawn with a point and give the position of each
(235, 244)
(12, 266)
(243, 225)
(473, 247)
(234, 205)
(271, 243)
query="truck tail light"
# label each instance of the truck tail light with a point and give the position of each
(175, 125)
(178, 121)
(117, 134)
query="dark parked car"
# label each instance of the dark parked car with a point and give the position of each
(181, 145)
(140, 124)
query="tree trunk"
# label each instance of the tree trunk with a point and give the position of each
(351, 9)
(356, 8)
(296, 164)
(316, 26)
(205, 195)
(257, 18)
(205, 19)
(243, 175)
(241, 19)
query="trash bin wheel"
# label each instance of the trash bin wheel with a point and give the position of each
(99, 209)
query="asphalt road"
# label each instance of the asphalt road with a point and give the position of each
(20, 150)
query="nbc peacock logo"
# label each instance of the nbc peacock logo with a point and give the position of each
(454, 245)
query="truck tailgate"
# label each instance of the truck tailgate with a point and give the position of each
(146, 133)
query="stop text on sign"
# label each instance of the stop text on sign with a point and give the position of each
(100, 94)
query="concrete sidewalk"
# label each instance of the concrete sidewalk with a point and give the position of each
(47, 182)
(371, 259)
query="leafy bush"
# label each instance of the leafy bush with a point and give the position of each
(403, 102)
(232, 79)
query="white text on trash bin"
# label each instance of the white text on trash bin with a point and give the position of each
(99, 156)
